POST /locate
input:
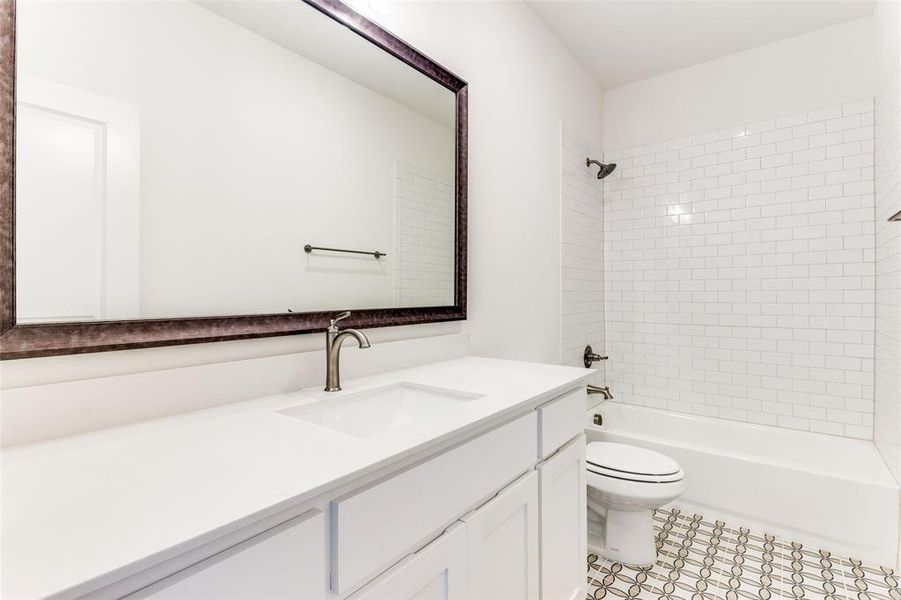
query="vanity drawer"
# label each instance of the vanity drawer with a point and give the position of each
(373, 528)
(560, 420)
(286, 561)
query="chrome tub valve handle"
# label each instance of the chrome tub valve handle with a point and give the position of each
(589, 357)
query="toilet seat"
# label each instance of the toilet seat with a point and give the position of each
(631, 463)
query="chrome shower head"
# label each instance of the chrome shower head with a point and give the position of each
(604, 169)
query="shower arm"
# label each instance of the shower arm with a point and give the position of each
(604, 169)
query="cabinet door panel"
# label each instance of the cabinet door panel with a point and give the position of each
(559, 420)
(437, 572)
(563, 522)
(375, 527)
(287, 561)
(502, 537)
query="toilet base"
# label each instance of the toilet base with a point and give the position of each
(629, 537)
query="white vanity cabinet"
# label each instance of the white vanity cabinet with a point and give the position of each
(496, 515)
(563, 522)
(285, 562)
(503, 543)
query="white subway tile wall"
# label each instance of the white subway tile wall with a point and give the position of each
(582, 256)
(424, 237)
(739, 269)
(888, 272)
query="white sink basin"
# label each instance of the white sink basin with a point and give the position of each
(371, 412)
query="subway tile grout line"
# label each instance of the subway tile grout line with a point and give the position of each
(757, 241)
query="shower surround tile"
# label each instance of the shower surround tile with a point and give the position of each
(581, 256)
(700, 559)
(739, 272)
(423, 236)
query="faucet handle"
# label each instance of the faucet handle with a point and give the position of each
(334, 320)
(589, 357)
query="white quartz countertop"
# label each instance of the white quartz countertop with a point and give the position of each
(81, 512)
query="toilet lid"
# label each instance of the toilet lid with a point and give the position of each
(631, 463)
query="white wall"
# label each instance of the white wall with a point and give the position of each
(522, 85)
(888, 238)
(822, 68)
(235, 179)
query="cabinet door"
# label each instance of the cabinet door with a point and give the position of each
(563, 522)
(502, 538)
(287, 561)
(437, 572)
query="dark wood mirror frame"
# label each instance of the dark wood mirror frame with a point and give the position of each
(48, 339)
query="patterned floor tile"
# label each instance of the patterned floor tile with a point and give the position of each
(704, 559)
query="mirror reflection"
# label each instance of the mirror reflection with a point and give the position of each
(174, 159)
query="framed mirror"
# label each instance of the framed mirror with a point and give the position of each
(203, 170)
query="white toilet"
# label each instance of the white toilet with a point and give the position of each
(629, 483)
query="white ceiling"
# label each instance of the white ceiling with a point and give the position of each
(621, 41)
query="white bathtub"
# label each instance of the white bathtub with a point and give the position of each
(823, 491)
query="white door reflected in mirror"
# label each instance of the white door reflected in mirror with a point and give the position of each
(77, 178)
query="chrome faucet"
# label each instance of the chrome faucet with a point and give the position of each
(604, 391)
(334, 337)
